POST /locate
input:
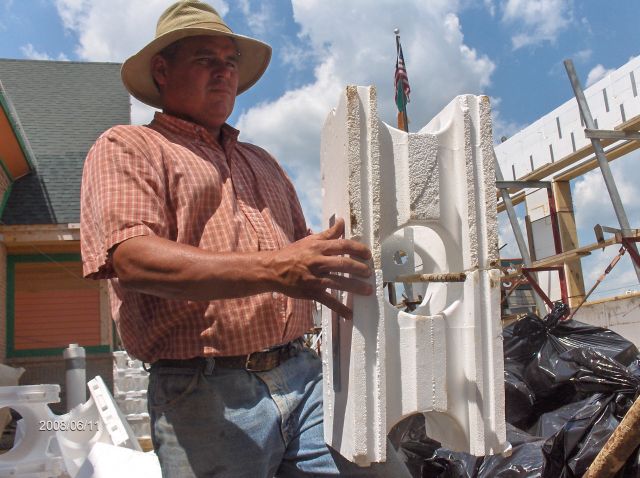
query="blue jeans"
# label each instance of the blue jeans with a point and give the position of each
(234, 423)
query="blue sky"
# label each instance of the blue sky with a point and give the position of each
(511, 50)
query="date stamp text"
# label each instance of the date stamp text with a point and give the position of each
(69, 425)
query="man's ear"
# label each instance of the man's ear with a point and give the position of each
(159, 66)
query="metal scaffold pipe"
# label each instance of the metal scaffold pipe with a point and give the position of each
(599, 152)
(517, 232)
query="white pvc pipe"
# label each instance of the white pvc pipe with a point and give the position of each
(76, 375)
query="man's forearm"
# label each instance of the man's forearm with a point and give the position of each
(303, 269)
(164, 268)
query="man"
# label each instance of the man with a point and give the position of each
(211, 269)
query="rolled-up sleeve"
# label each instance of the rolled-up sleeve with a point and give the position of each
(122, 196)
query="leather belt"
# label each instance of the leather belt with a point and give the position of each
(262, 361)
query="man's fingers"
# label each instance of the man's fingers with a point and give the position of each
(334, 304)
(346, 284)
(338, 247)
(344, 265)
(333, 243)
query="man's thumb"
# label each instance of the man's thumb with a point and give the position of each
(335, 231)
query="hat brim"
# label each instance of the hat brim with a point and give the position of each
(136, 70)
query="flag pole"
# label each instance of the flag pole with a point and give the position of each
(403, 119)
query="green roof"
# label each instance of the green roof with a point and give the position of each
(63, 107)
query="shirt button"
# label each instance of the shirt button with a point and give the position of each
(274, 295)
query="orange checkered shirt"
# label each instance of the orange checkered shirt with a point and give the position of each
(173, 180)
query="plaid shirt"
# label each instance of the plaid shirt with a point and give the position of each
(173, 180)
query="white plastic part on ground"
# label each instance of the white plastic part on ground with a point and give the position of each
(35, 452)
(97, 421)
(130, 381)
(109, 461)
(50, 445)
(9, 377)
(424, 203)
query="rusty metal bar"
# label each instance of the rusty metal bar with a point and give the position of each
(511, 289)
(537, 289)
(627, 242)
(611, 265)
(526, 271)
(444, 277)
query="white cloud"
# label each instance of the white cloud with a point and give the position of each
(355, 47)
(113, 30)
(591, 199)
(490, 6)
(502, 128)
(296, 55)
(507, 239)
(620, 279)
(583, 55)
(359, 48)
(259, 16)
(141, 113)
(592, 206)
(536, 21)
(597, 73)
(31, 53)
(289, 128)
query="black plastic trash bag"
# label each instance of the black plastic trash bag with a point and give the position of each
(523, 339)
(552, 422)
(537, 344)
(519, 399)
(425, 457)
(571, 451)
(525, 461)
(574, 379)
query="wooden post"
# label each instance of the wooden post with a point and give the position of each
(624, 440)
(569, 239)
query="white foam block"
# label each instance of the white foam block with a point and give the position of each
(108, 461)
(424, 203)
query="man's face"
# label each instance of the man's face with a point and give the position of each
(199, 83)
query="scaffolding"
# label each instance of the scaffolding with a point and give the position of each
(554, 176)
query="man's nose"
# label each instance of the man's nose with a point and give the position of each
(222, 69)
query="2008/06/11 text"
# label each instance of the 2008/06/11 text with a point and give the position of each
(71, 425)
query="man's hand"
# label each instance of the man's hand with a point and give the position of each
(310, 266)
(304, 269)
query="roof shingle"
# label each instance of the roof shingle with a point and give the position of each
(63, 107)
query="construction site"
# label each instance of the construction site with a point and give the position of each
(473, 365)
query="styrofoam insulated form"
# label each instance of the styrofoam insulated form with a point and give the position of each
(424, 203)
(612, 100)
(51, 445)
(35, 452)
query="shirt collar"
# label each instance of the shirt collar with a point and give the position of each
(229, 134)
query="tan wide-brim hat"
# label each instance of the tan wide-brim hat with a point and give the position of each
(184, 19)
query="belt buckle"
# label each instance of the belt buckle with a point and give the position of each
(247, 364)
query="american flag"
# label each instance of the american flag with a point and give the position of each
(401, 80)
